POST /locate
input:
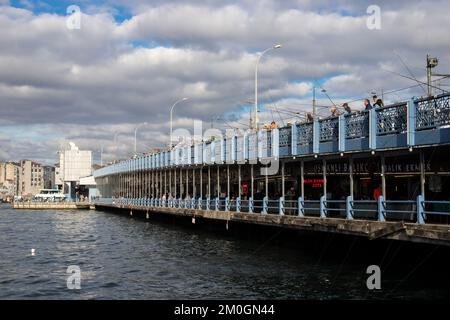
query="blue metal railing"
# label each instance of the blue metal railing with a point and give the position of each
(357, 125)
(329, 129)
(432, 112)
(419, 210)
(392, 119)
(413, 118)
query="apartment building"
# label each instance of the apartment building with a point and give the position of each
(31, 177)
(9, 178)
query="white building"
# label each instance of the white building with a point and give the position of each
(74, 164)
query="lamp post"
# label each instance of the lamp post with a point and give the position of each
(116, 146)
(101, 156)
(255, 118)
(135, 136)
(171, 123)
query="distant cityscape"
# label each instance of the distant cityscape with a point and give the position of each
(26, 177)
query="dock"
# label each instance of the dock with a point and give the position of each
(436, 234)
(30, 205)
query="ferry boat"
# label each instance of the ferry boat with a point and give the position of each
(49, 195)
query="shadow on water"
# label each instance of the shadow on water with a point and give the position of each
(408, 270)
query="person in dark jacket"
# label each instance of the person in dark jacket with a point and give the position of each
(347, 108)
(367, 105)
(258, 201)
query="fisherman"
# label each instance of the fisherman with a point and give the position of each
(273, 125)
(377, 103)
(367, 105)
(334, 111)
(347, 108)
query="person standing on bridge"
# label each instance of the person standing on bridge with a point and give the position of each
(377, 193)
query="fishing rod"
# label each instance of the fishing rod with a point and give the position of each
(419, 82)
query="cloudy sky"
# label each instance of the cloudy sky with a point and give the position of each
(130, 60)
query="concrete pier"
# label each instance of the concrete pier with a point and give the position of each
(372, 230)
(51, 205)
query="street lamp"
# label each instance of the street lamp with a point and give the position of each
(255, 118)
(135, 136)
(325, 92)
(171, 123)
(116, 133)
(101, 156)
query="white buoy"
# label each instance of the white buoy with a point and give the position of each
(33, 252)
(131, 213)
(226, 225)
(147, 216)
(193, 220)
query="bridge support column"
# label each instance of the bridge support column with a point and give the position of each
(165, 182)
(351, 177)
(239, 182)
(187, 184)
(194, 188)
(175, 183)
(218, 181)
(252, 181)
(383, 177)
(324, 177)
(282, 181)
(302, 179)
(228, 181)
(181, 183)
(422, 174)
(209, 181)
(201, 184)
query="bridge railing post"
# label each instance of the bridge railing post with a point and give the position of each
(200, 204)
(265, 205)
(323, 207)
(217, 203)
(250, 205)
(301, 207)
(227, 204)
(208, 203)
(420, 209)
(281, 206)
(238, 204)
(349, 207)
(372, 129)
(381, 209)
(411, 122)
(180, 202)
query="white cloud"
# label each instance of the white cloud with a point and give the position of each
(86, 84)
